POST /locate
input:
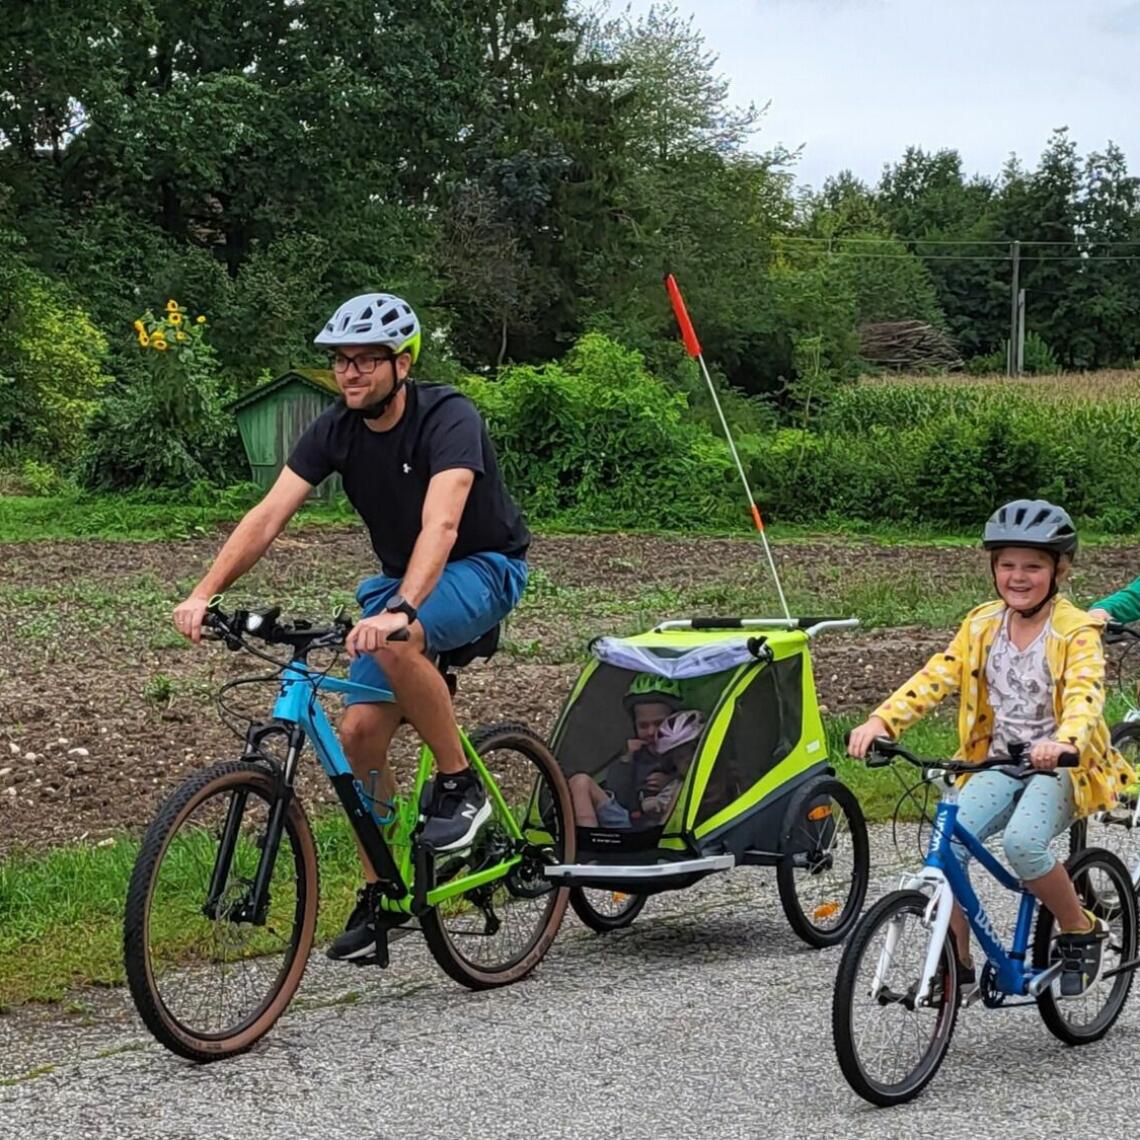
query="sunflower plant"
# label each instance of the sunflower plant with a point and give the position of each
(173, 330)
(166, 424)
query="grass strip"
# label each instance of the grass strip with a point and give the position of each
(61, 912)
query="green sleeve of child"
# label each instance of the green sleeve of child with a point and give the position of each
(1124, 605)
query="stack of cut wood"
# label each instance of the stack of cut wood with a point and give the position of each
(909, 346)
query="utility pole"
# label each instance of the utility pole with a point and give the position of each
(1013, 361)
(1020, 364)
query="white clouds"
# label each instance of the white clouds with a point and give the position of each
(856, 81)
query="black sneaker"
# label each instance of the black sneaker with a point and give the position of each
(456, 808)
(358, 940)
(1083, 957)
(967, 981)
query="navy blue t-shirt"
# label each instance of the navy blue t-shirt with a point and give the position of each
(386, 473)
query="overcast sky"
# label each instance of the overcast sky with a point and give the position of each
(857, 81)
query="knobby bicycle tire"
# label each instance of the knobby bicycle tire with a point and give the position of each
(442, 941)
(1057, 1012)
(847, 986)
(169, 1029)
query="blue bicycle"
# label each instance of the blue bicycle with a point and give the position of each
(222, 906)
(897, 992)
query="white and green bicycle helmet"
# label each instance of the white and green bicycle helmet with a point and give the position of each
(646, 687)
(374, 318)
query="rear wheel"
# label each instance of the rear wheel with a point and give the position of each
(1116, 830)
(208, 976)
(603, 911)
(1104, 887)
(825, 862)
(890, 1045)
(498, 932)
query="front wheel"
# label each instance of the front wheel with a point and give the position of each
(603, 911)
(888, 1042)
(1105, 888)
(499, 931)
(825, 862)
(208, 973)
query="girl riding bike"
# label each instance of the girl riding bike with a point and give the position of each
(1029, 667)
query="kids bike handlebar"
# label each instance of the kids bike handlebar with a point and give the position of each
(884, 750)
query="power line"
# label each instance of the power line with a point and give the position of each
(1075, 258)
(949, 241)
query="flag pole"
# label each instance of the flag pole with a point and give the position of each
(693, 348)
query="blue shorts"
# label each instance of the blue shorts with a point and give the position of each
(612, 814)
(472, 596)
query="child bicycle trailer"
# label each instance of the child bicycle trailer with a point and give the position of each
(698, 746)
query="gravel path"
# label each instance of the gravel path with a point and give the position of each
(706, 1017)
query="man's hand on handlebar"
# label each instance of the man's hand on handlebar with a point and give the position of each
(373, 633)
(188, 616)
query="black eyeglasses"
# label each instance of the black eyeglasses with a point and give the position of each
(365, 362)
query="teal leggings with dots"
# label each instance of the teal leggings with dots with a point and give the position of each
(1031, 811)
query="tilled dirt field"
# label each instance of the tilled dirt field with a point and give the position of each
(103, 710)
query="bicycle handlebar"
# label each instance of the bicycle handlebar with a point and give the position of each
(301, 635)
(1118, 631)
(884, 750)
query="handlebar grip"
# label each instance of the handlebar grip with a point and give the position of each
(717, 623)
(1068, 760)
(398, 635)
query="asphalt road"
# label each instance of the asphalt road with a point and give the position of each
(707, 1017)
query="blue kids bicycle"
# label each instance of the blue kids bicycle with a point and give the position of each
(897, 993)
(222, 905)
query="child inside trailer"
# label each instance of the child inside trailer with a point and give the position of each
(640, 785)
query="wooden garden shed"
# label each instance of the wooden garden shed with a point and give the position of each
(271, 419)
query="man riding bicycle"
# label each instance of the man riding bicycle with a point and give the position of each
(418, 466)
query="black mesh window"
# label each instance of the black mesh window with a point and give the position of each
(766, 725)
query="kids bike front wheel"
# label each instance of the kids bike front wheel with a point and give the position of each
(211, 964)
(1104, 887)
(603, 911)
(497, 932)
(825, 862)
(889, 1041)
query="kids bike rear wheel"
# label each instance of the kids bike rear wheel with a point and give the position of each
(603, 911)
(208, 975)
(825, 865)
(889, 1045)
(1118, 829)
(498, 932)
(1105, 888)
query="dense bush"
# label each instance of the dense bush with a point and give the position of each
(51, 366)
(596, 441)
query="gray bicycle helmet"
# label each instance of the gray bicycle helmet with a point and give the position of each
(1033, 523)
(374, 318)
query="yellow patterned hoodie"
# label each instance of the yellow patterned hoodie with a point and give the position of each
(1076, 662)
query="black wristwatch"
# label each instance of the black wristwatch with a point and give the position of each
(397, 604)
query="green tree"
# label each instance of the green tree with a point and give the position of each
(51, 358)
(949, 221)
